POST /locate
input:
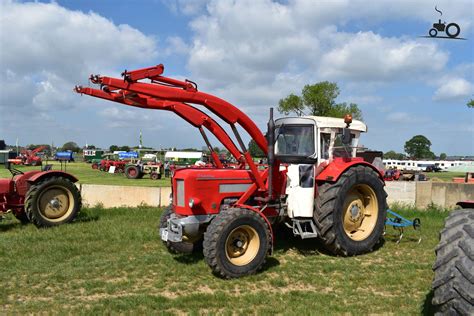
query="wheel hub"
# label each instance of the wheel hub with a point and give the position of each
(360, 212)
(242, 245)
(55, 204)
(356, 213)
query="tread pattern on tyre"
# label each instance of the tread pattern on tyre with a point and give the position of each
(33, 192)
(325, 206)
(213, 233)
(453, 283)
(174, 247)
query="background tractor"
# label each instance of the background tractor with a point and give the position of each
(137, 170)
(45, 198)
(315, 183)
(29, 157)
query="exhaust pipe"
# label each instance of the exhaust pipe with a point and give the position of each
(271, 152)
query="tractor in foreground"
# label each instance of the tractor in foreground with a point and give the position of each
(45, 198)
(314, 183)
(453, 282)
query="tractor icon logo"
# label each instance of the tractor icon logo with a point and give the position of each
(452, 30)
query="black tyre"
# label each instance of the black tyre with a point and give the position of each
(175, 247)
(132, 172)
(452, 26)
(350, 214)
(453, 283)
(155, 176)
(52, 201)
(433, 32)
(22, 217)
(236, 243)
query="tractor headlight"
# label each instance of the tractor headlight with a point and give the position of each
(193, 202)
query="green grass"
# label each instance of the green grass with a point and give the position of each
(86, 175)
(444, 176)
(112, 261)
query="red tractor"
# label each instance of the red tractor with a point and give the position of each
(28, 157)
(314, 183)
(45, 198)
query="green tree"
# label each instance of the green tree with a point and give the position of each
(91, 147)
(442, 156)
(393, 155)
(113, 148)
(124, 148)
(72, 146)
(419, 147)
(470, 104)
(254, 150)
(318, 99)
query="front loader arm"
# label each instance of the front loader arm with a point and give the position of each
(226, 111)
(172, 91)
(190, 114)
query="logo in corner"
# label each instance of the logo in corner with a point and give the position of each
(452, 30)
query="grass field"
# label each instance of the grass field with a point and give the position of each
(86, 175)
(112, 261)
(444, 176)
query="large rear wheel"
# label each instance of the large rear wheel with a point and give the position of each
(132, 172)
(453, 284)
(350, 214)
(236, 243)
(52, 201)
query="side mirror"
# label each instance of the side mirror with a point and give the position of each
(346, 136)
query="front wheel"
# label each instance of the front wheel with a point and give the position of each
(53, 201)
(155, 176)
(350, 214)
(236, 243)
(433, 32)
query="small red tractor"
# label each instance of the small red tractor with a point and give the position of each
(28, 157)
(45, 198)
(314, 183)
(392, 175)
(109, 161)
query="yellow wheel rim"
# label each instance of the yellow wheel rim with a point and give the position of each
(55, 203)
(360, 212)
(242, 245)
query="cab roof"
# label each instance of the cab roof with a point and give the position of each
(333, 122)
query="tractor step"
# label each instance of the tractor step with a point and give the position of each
(304, 228)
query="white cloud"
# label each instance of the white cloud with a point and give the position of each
(46, 49)
(255, 52)
(371, 57)
(175, 45)
(454, 89)
(186, 7)
(39, 37)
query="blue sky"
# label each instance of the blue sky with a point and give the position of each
(251, 53)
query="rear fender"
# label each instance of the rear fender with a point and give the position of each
(47, 174)
(466, 204)
(333, 170)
